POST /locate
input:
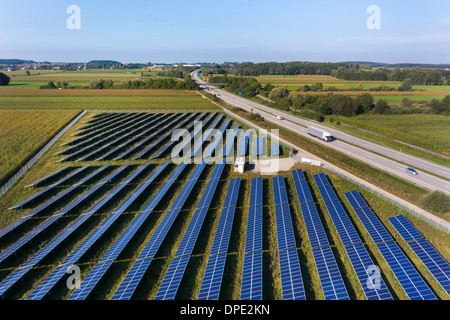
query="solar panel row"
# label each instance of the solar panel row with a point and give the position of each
(430, 257)
(359, 257)
(50, 176)
(402, 268)
(251, 285)
(137, 271)
(230, 139)
(15, 276)
(291, 278)
(197, 150)
(49, 282)
(218, 138)
(212, 279)
(45, 286)
(331, 281)
(259, 147)
(243, 144)
(172, 279)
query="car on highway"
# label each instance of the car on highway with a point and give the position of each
(279, 118)
(412, 171)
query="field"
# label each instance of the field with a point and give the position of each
(426, 130)
(190, 284)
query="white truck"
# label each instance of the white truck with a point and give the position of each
(319, 133)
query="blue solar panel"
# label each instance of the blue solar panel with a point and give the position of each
(333, 286)
(105, 262)
(373, 225)
(47, 223)
(303, 192)
(251, 285)
(435, 263)
(59, 272)
(372, 284)
(314, 228)
(169, 287)
(158, 142)
(135, 274)
(279, 190)
(321, 179)
(298, 175)
(405, 228)
(50, 176)
(291, 277)
(259, 148)
(275, 150)
(343, 225)
(212, 279)
(229, 146)
(220, 137)
(408, 277)
(143, 142)
(243, 144)
(254, 229)
(232, 192)
(197, 150)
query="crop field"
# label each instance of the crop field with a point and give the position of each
(187, 199)
(24, 131)
(425, 130)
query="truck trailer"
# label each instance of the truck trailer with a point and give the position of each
(319, 133)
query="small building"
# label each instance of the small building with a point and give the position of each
(239, 164)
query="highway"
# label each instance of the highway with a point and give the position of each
(375, 155)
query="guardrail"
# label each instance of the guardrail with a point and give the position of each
(38, 155)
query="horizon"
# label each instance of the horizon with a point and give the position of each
(265, 31)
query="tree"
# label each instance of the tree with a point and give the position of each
(365, 103)
(446, 101)
(406, 85)
(381, 106)
(437, 106)
(4, 79)
(278, 93)
(27, 72)
(407, 103)
(343, 105)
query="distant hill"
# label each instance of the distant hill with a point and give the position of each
(103, 62)
(402, 65)
(15, 61)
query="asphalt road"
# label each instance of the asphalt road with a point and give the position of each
(375, 155)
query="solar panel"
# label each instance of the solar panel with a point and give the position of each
(48, 283)
(321, 179)
(135, 274)
(108, 258)
(243, 145)
(50, 176)
(298, 175)
(131, 150)
(333, 287)
(259, 148)
(229, 145)
(408, 277)
(291, 277)
(405, 228)
(251, 285)
(314, 228)
(274, 150)
(373, 225)
(218, 138)
(435, 263)
(47, 223)
(232, 193)
(344, 226)
(172, 279)
(370, 280)
(212, 279)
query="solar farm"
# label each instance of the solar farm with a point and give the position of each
(139, 226)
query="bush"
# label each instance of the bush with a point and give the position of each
(4, 79)
(437, 202)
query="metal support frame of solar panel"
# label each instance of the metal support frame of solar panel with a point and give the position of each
(119, 139)
(15, 276)
(218, 138)
(292, 287)
(358, 255)
(135, 138)
(243, 144)
(39, 209)
(389, 249)
(331, 281)
(187, 141)
(197, 150)
(430, 257)
(212, 278)
(229, 145)
(251, 285)
(86, 139)
(172, 279)
(45, 286)
(100, 142)
(131, 150)
(47, 223)
(137, 271)
(50, 176)
(173, 139)
(99, 270)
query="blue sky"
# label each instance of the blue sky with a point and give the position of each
(213, 31)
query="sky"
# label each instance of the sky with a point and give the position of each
(217, 31)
